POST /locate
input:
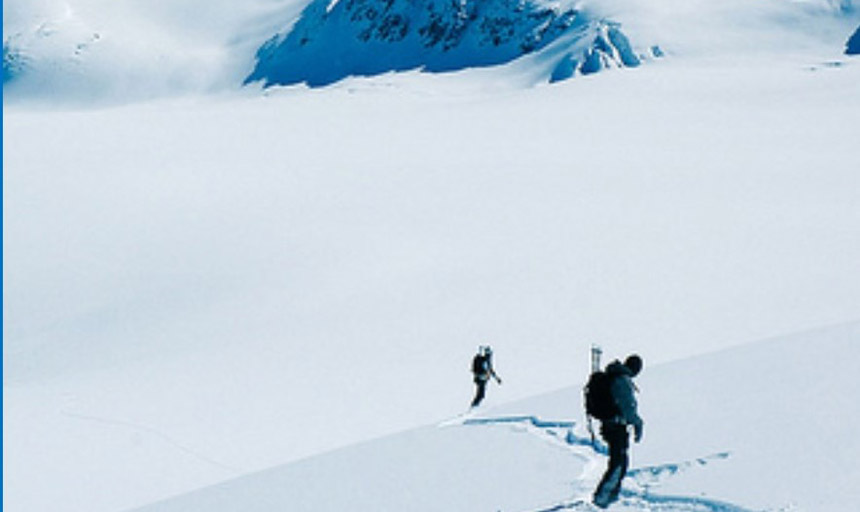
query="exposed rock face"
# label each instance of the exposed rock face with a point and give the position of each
(336, 39)
(12, 62)
(853, 45)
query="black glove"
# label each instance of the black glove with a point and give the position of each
(637, 432)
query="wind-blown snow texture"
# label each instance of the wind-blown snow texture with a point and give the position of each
(336, 39)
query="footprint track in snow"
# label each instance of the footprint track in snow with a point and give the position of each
(562, 433)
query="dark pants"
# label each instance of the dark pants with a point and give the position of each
(616, 436)
(479, 393)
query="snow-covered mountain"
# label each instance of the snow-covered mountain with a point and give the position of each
(108, 52)
(212, 289)
(97, 51)
(335, 39)
(54, 38)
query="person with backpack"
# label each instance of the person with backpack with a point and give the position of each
(609, 397)
(482, 369)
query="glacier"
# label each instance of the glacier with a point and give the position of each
(217, 294)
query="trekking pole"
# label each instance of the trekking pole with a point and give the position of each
(591, 431)
(596, 352)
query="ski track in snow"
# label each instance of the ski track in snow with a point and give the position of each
(156, 434)
(561, 433)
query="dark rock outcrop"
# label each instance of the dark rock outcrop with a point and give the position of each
(336, 39)
(852, 47)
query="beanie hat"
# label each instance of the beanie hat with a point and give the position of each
(634, 364)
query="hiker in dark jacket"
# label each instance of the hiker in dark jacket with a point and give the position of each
(615, 430)
(482, 368)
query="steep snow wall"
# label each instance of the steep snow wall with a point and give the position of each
(333, 40)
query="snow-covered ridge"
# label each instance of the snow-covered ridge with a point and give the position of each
(333, 40)
(59, 40)
(101, 51)
(95, 50)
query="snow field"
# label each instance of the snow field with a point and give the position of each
(264, 295)
(213, 279)
(767, 426)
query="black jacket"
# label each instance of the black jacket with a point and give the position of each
(623, 392)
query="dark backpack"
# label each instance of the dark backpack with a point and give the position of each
(599, 402)
(479, 365)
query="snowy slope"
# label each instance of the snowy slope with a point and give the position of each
(196, 290)
(204, 286)
(785, 411)
(101, 51)
(768, 426)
